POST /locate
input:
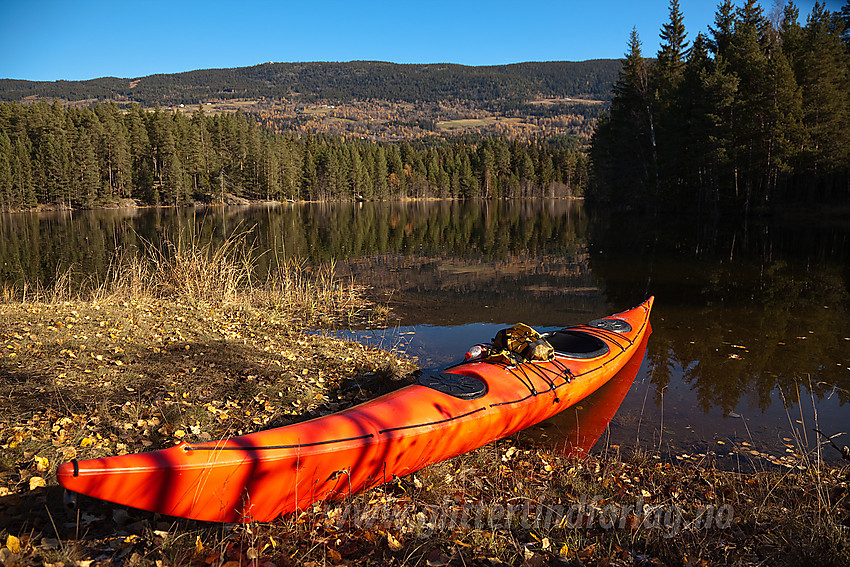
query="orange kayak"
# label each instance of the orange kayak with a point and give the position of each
(263, 475)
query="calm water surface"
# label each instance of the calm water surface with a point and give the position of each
(751, 337)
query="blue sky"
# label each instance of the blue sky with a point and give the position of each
(50, 40)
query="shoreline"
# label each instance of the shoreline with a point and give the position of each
(130, 204)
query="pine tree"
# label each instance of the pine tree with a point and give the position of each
(672, 52)
(469, 186)
(623, 146)
(270, 172)
(23, 190)
(198, 155)
(707, 96)
(5, 172)
(668, 73)
(823, 69)
(113, 150)
(842, 24)
(56, 162)
(380, 174)
(309, 176)
(723, 30)
(86, 180)
(141, 160)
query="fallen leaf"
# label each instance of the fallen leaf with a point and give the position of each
(14, 544)
(41, 464)
(394, 544)
(37, 482)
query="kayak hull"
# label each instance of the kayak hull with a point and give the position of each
(262, 475)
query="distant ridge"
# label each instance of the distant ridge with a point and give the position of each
(339, 81)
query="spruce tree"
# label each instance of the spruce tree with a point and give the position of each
(5, 172)
(624, 144)
(842, 24)
(672, 52)
(668, 73)
(823, 70)
(86, 179)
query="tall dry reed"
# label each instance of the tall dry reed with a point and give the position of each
(185, 269)
(191, 270)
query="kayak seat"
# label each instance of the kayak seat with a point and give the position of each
(576, 344)
(457, 385)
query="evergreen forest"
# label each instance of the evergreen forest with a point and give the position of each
(751, 115)
(96, 156)
(306, 82)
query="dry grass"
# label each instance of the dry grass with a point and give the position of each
(192, 271)
(185, 269)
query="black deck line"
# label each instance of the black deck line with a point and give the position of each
(431, 422)
(272, 447)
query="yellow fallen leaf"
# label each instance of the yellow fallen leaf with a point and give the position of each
(86, 442)
(42, 464)
(394, 544)
(14, 544)
(199, 545)
(37, 482)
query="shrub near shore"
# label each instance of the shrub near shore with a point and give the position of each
(186, 344)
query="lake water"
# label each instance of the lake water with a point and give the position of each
(751, 338)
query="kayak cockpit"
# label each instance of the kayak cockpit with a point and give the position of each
(571, 343)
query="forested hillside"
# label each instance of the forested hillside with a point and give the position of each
(94, 156)
(751, 114)
(339, 81)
